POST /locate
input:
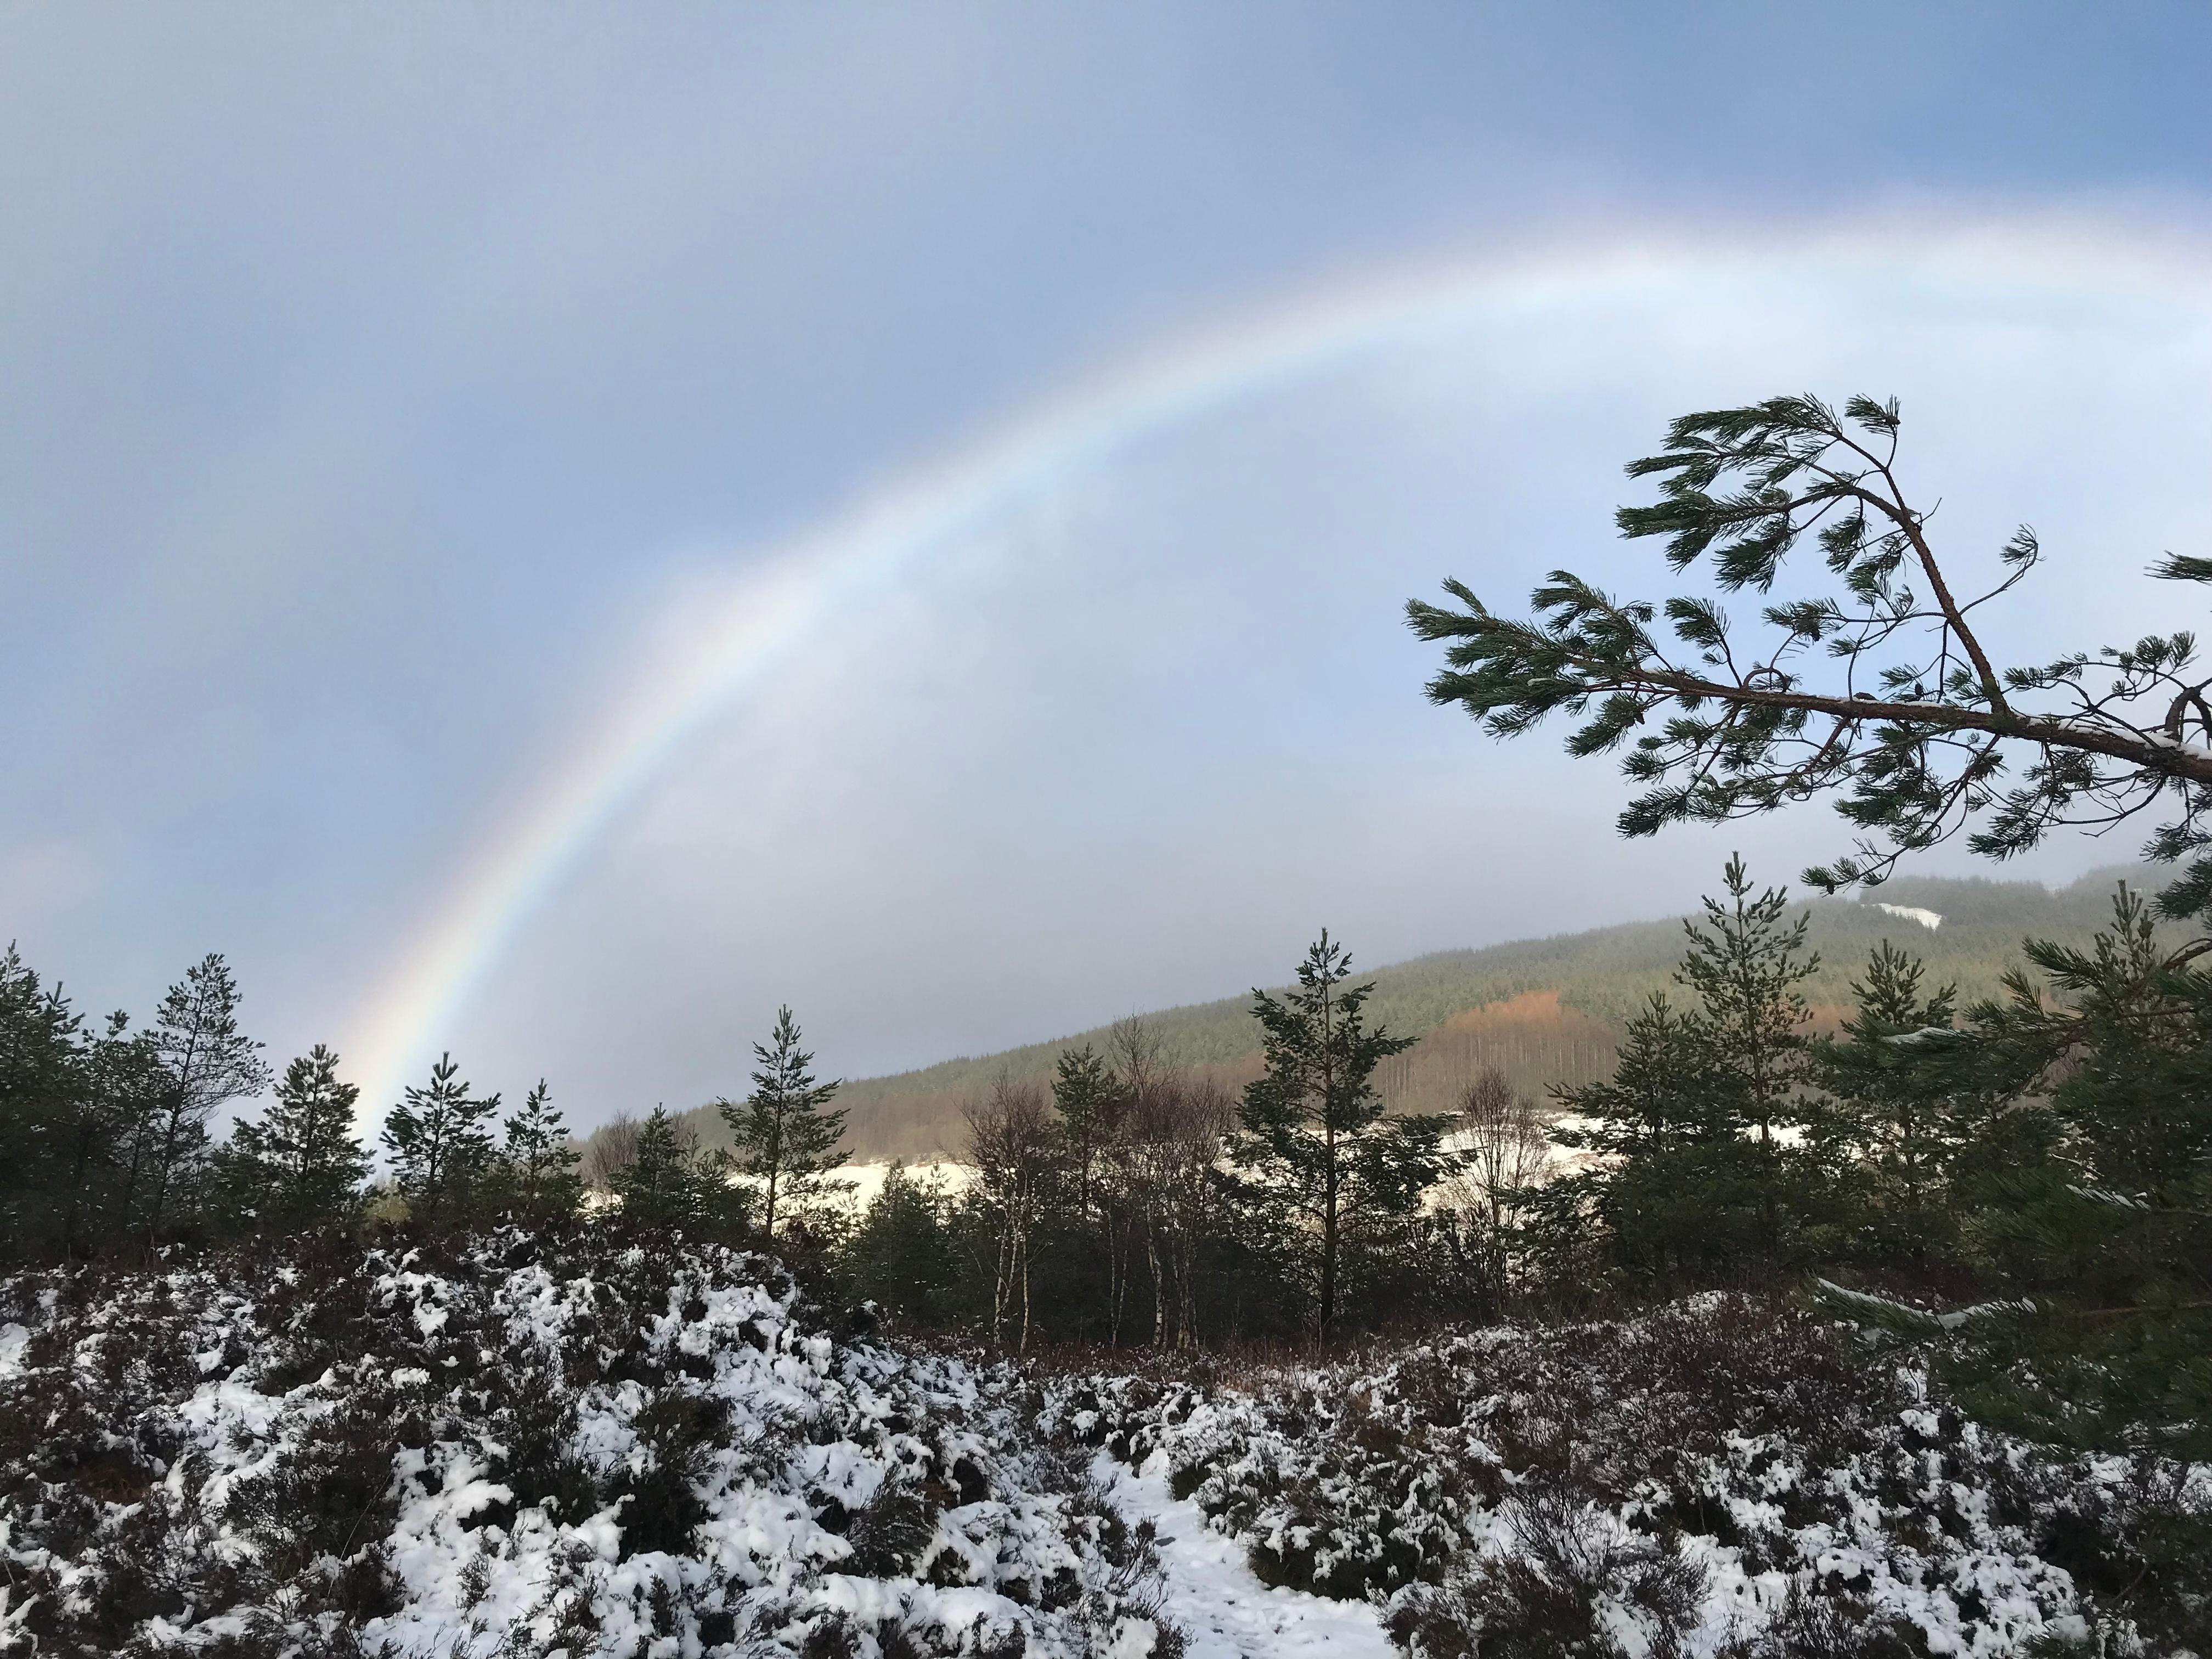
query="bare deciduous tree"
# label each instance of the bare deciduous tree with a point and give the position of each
(1012, 1148)
(1503, 1148)
(613, 1149)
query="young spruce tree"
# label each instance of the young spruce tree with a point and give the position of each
(440, 1143)
(1745, 966)
(535, 1178)
(784, 1137)
(1897, 1113)
(204, 1061)
(299, 1168)
(1315, 1134)
(663, 1186)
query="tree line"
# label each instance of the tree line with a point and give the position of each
(2053, 1145)
(114, 1152)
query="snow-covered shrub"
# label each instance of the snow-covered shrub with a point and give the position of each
(1724, 1477)
(518, 1445)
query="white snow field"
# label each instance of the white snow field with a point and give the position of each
(1212, 1595)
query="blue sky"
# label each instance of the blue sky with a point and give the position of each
(383, 392)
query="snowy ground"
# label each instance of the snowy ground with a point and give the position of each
(1223, 1611)
(1722, 1479)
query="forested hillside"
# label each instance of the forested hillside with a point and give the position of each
(1544, 1012)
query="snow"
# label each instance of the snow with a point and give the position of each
(855, 1496)
(1928, 919)
(484, 1549)
(1211, 1592)
(854, 1186)
(1417, 1480)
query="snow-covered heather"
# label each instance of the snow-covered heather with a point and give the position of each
(519, 1446)
(1722, 1479)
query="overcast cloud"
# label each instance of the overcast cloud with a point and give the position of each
(375, 387)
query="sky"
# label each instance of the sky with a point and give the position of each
(547, 531)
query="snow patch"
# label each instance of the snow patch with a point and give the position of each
(1224, 1611)
(1928, 919)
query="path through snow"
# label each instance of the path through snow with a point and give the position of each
(1227, 1612)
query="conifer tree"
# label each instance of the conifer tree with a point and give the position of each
(123, 1085)
(1677, 1194)
(784, 1138)
(2084, 1162)
(898, 1256)
(204, 1061)
(299, 1167)
(1745, 965)
(1085, 1094)
(536, 1176)
(1313, 1122)
(439, 1141)
(47, 1119)
(1895, 1112)
(1910, 725)
(661, 1187)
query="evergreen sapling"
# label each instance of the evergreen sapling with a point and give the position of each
(440, 1143)
(785, 1137)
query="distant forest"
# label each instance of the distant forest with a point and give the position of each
(1544, 1011)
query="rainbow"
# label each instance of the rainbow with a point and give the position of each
(802, 586)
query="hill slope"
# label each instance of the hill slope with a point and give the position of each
(1545, 1010)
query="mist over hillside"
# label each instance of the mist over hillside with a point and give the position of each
(1545, 1010)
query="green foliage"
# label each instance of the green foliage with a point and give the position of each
(1314, 1133)
(1679, 1199)
(1878, 692)
(1699, 1179)
(785, 1137)
(535, 1178)
(1882, 1101)
(203, 1061)
(298, 1169)
(438, 1140)
(666, 1186)
(1086, 1094)
(901, 1255)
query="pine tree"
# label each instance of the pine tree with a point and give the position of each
(47, 1119)
(784, 1138)
(1879, 691)
(535, 1177)
(1086, 1094)
(1313, 1120)
(440, 1143)
(661, 1188)
(1745, 966)
(899, 1256)
(300, 1168)
(1894, 1113)
(2084, 1164)
(205, 1061)
(1678, 1196)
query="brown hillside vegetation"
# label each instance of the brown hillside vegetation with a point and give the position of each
(1544, 1011)
(1533, 1038)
